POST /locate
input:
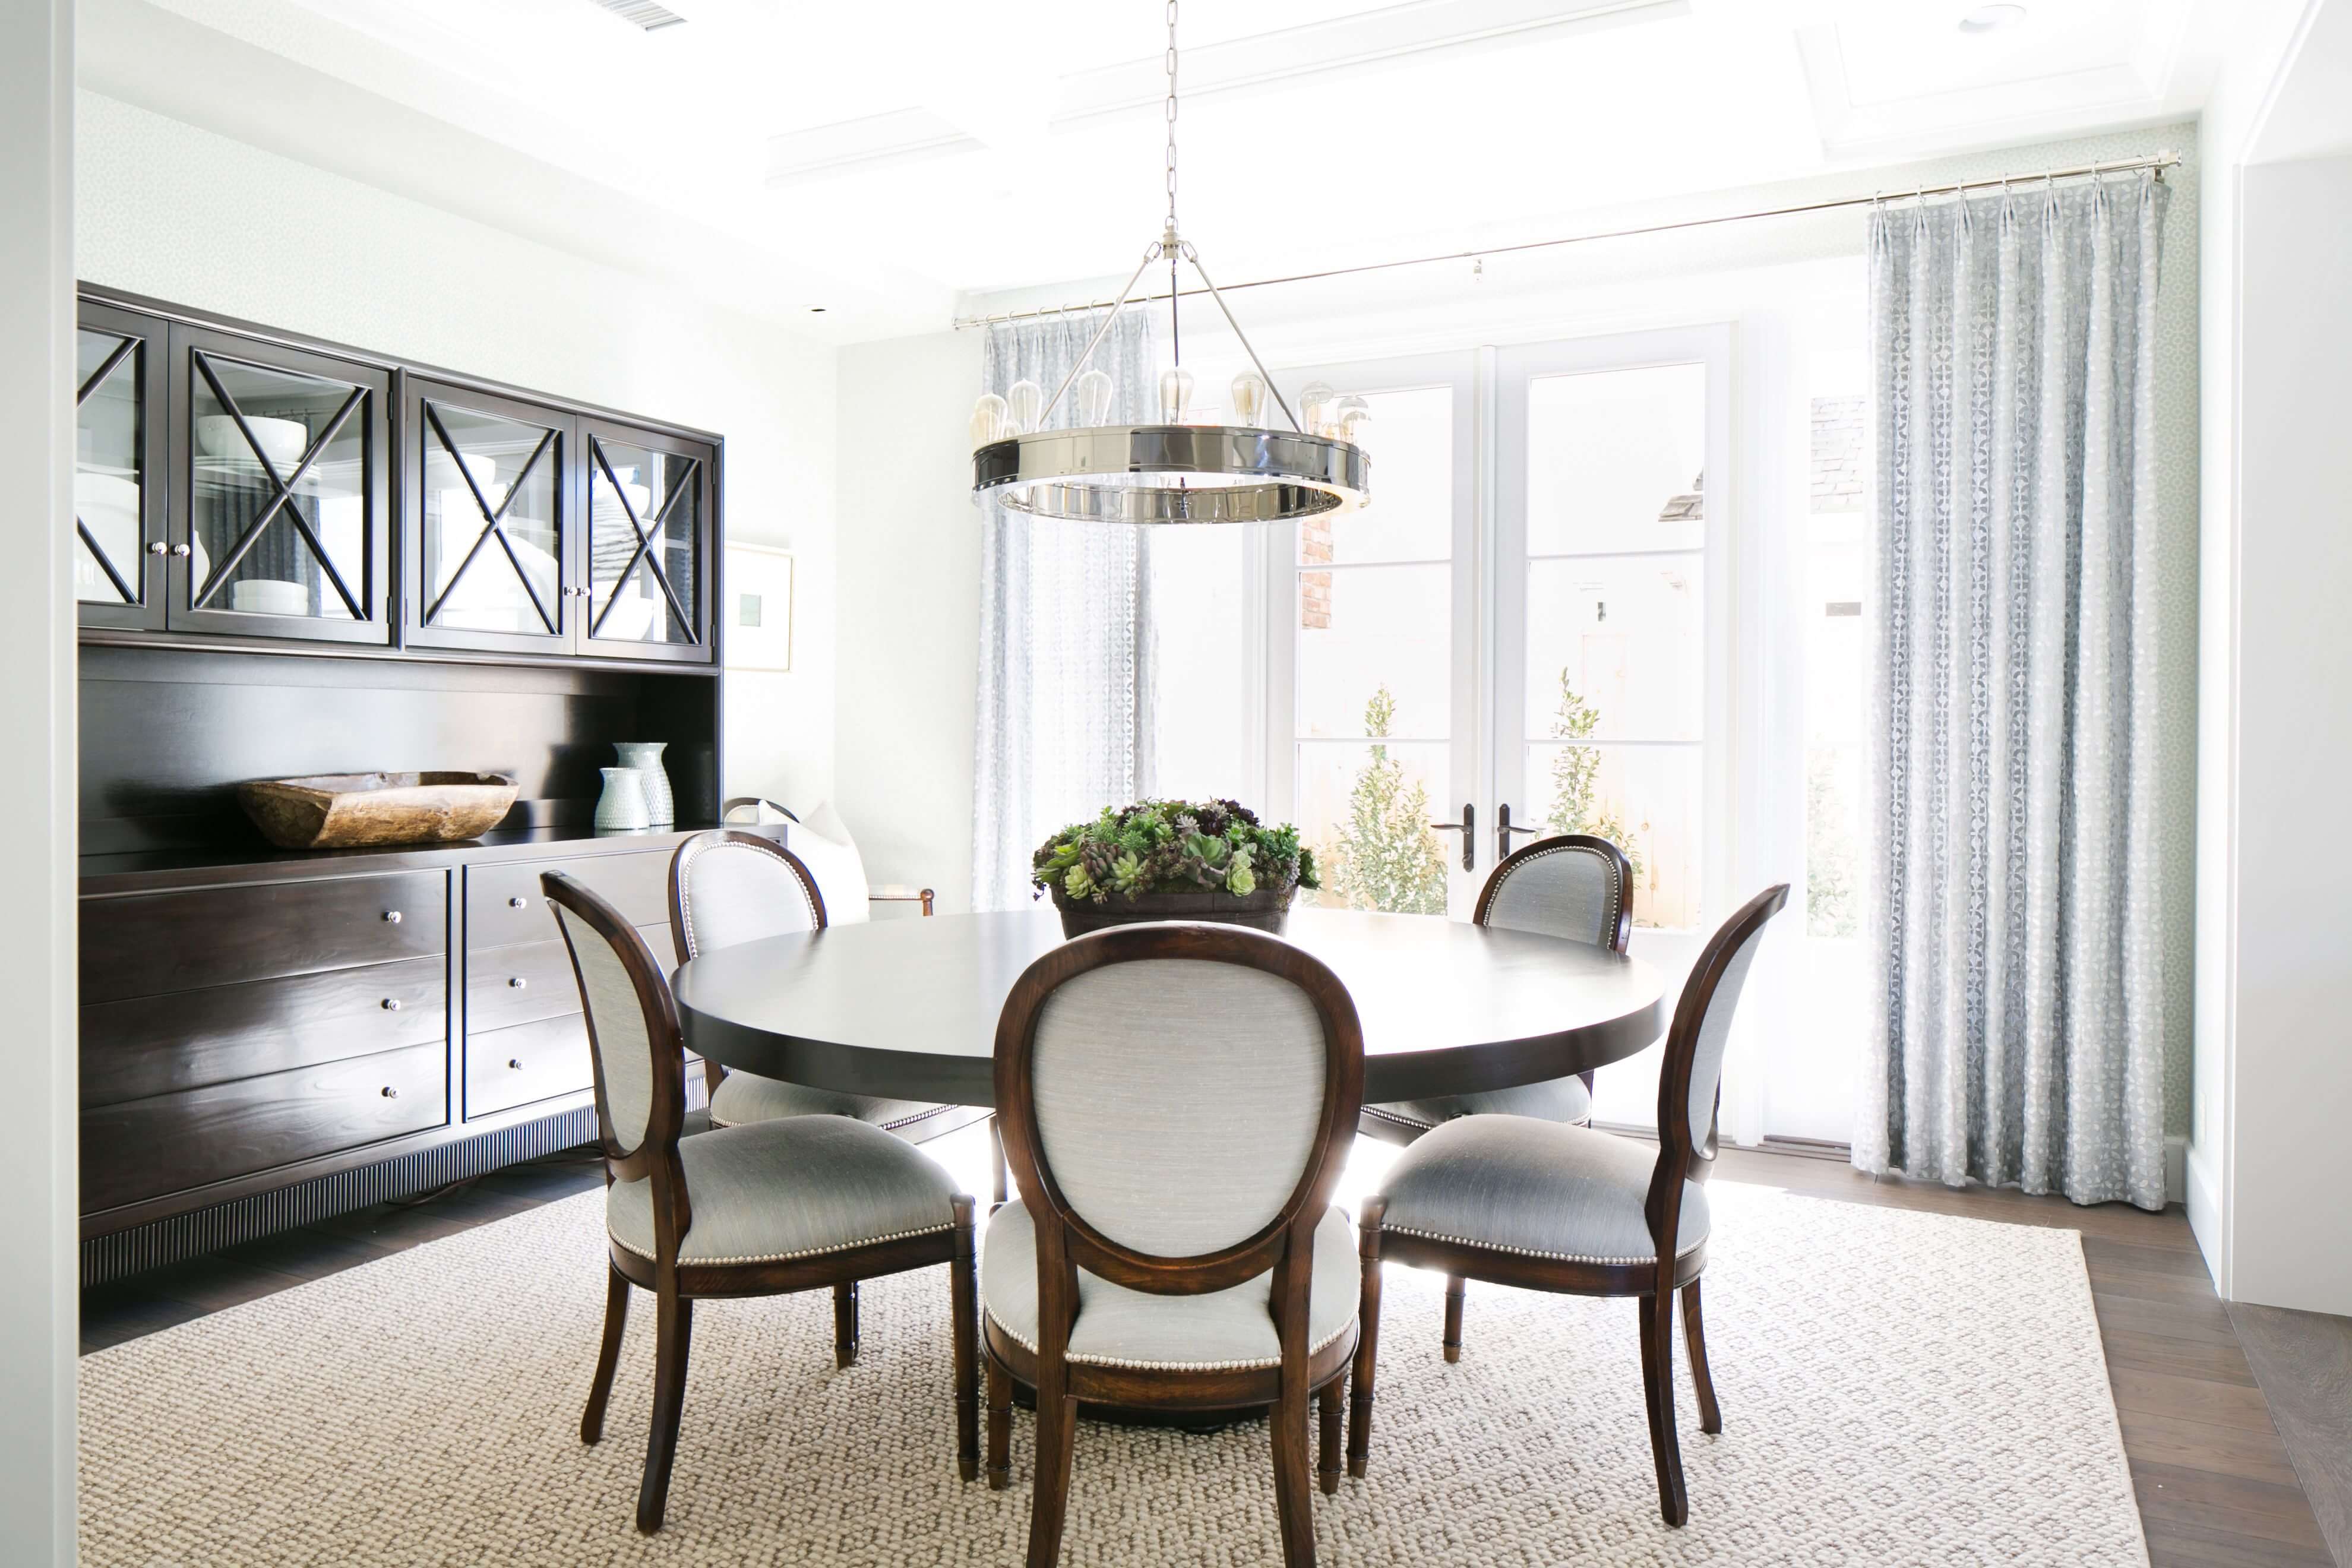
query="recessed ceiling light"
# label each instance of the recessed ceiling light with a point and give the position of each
(816, 310)
(1992, 18)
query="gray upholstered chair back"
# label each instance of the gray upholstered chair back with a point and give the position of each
(1178, 1100)
(1710, 1000)
(634, 1056)
(728, 888)
(1577, 887)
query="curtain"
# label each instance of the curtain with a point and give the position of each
(1065, 685)
(2018, 1029)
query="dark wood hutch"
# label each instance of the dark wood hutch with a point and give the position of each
(299, 557)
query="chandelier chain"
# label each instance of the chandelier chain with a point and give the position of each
(1172, 116)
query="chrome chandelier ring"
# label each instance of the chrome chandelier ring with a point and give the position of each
(1171, 473)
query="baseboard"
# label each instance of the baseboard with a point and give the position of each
(2176, 1168)
(2206, 1217)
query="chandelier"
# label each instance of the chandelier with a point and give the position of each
(1173, 471)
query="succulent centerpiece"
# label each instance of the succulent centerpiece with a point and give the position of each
(1173, 860)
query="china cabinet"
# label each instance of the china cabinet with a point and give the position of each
(648, 546)
(490, 510)
(120, 543)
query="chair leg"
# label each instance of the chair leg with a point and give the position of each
(616, 1321)
(1057, 1436)
(964, 1297)
(1457, 1288)
(999, 1427)
(1658, 1389)
(1367, 1342)
(1294, 1496)
(845, 1323)
(1326, 1451)
(1710, 1414)
(673, 1332)
(1003, 1171)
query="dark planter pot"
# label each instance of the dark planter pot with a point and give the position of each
(1264, 911)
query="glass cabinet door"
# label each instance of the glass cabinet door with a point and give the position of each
(490, 509)
(279, 528)
(648, 545)
(118, 500)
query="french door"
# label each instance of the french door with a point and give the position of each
(1528, 632)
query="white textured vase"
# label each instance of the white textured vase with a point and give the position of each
(645, 757)
(621, 807)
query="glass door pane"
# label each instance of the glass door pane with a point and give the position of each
(490, 523)
(109, 469)
(644, 543)
(278, 492)
(1371, 731)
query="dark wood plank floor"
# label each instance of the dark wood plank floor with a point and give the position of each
(2217, 1486)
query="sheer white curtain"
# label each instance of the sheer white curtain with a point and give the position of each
(1064, 720)
(2019, 1005)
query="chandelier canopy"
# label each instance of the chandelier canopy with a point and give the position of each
(1173, 471)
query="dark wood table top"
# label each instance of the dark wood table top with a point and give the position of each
(907, 1009)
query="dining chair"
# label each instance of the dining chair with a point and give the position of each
(1178, 1100)
(1577, 887)
(1517, 1201)
(763, 1209)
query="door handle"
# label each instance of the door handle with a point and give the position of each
(1468, 828)
(1503, 830)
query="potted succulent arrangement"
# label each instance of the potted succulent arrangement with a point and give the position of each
(1173, 860)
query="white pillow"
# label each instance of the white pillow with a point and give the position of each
(822, 840)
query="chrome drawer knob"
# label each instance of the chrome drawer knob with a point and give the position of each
(518, 903)
(519, 983)
(390, 1092)
(392, 917)
(182, 550)
(391, 1003)
(515, 1062)
(158, 548)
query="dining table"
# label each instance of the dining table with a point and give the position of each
(907, 1009)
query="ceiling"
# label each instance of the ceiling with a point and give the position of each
(870, 169)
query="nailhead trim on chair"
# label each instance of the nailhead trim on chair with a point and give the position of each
(1531, 1252)
(1171, 1365)
(788, 1257)
(686, 896)
(1383, 1113)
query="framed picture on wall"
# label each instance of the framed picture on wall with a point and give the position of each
(758, 607)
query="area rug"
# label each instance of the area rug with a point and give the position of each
(1897, 1388)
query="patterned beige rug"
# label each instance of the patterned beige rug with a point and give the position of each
(1898, 1389)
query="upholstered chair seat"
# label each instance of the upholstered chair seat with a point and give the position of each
(1512, 1183)
(742, 1098)
(799, 1187)
(1561, 1100)
(1217, 1331)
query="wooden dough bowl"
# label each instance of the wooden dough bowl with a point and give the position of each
(346, 811)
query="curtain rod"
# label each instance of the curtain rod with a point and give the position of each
(2158, 161)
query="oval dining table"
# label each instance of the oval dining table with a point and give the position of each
(907, 1009)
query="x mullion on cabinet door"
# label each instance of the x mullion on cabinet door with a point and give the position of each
(488, 509)
(646, 544)
(121, 493)
(279, 521)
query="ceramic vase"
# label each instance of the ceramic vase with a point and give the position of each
(621, 807)
(645, 756)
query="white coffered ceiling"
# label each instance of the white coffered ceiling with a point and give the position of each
(891, 161)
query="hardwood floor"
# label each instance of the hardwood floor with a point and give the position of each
(2218, 1484)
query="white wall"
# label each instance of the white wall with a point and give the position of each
(38, 1289)
(320, 253)
(909, 641)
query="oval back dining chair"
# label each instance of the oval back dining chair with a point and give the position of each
(1177, 1101)
(1521, 1202)
(772, 1207)
(1575, 886)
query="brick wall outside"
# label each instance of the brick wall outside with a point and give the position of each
(1315, 588)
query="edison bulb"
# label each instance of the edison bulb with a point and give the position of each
(988, 420)
(1249, 398)
(1094, 395)
(1026, 402)
(1354, 416)
(1175, 395)
(1314, 405)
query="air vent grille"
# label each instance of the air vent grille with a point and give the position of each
(643, 13)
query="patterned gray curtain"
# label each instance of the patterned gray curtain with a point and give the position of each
(2019, 1025)
(1064, 684)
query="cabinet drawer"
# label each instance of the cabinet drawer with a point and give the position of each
(161, 1045)
(547, 986)
(171, 1142)
(504, 905)
(149, 943)
(506, 1067)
